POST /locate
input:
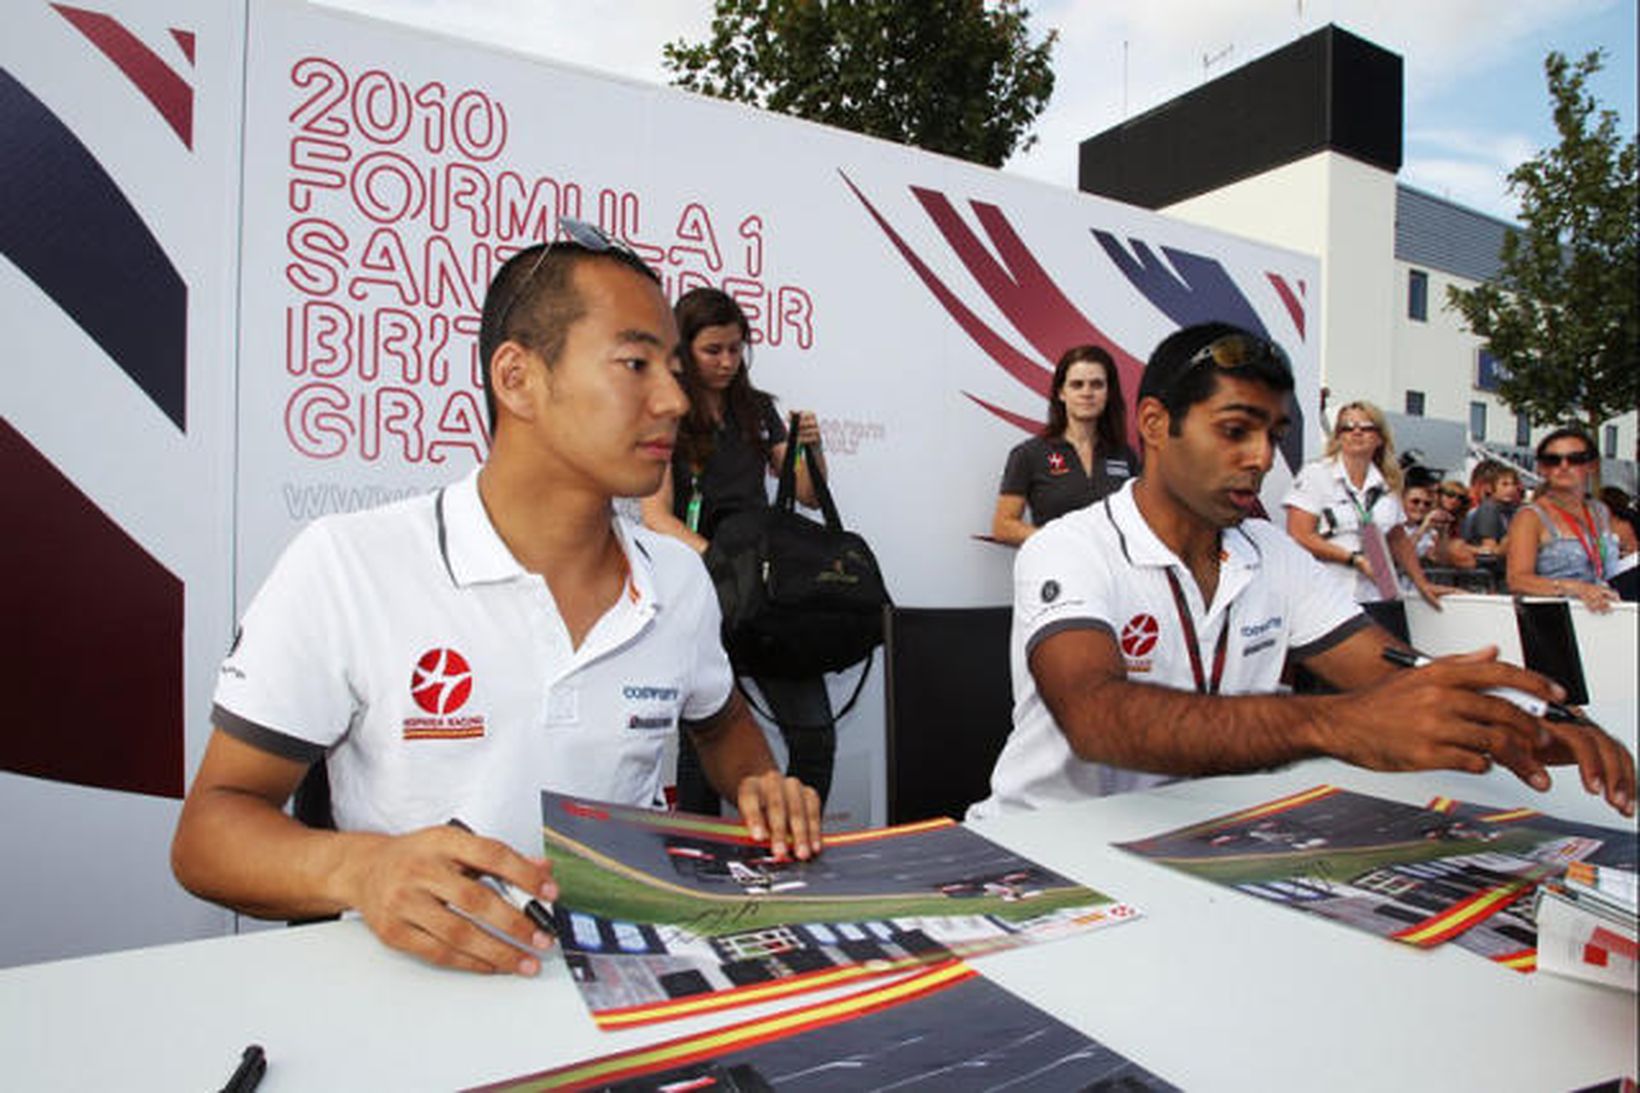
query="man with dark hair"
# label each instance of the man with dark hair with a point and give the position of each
(1150, 629)
(450, 656)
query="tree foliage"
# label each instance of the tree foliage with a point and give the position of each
(1562, 315)
(954, 76)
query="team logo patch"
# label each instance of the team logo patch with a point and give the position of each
(1056, 463)
(1138, 639)
(441, 683)
(1050, 591)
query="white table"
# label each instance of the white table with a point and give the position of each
(1212, 990)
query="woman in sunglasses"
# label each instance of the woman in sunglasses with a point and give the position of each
(1565, 543)
(1355, 486)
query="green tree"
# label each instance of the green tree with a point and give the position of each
(954, 76)
(1562, 315)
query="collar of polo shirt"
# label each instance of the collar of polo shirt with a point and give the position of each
(475, 554)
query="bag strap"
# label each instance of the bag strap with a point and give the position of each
(785, 498)
(859, 686)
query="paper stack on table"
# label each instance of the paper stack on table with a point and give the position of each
(1587, 926)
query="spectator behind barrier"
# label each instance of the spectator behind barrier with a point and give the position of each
(1081, 455)
(1485, 527)
(1564, 543)
(1355, 483)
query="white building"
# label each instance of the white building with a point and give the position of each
(1300, 148)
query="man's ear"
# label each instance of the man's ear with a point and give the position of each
(1153, 421)
(512, 378)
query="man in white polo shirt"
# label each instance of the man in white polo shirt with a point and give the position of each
(1150, 630)
(452, 655)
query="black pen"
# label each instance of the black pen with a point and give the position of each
(1537, 707)
(533, 908)
(252, 1065)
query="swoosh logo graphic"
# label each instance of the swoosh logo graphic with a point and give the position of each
(158, 81)
(67, 226)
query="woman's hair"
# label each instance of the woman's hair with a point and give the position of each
(1384, 457)
(696, 310)
(1567, 432)
(1110, 431)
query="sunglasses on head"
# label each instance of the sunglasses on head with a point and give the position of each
(579, 233)
(1230, 353)
(1357, 427)
(1575, 459)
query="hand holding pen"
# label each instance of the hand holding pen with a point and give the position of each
(1562, 735)
(423, 893)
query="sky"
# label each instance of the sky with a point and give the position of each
(1476, 102)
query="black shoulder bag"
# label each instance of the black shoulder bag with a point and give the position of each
(799, 598)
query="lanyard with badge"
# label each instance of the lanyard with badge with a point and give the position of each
(1590, 543)
(1204, 685)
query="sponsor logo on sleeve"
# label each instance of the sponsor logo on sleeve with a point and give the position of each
(441, 684)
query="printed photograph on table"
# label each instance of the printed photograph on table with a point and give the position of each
(1418, 875)
(943, 1028)
(664, 915)
(1602, 846)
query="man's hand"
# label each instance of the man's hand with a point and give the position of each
(1606, 765)
(781, 810)
(1438, 717)
(409, 887)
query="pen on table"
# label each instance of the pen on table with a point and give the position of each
(252, 1065)
(532, 907)
(1537, 707)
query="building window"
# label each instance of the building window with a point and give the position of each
(1611, 442)
(1477, 421)
(1415, 404)
(1418, 295)
(1523, 431)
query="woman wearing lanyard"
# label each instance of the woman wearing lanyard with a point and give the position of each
(1081, 455)
(1563, 543)
(729, 443)
(1356, 484)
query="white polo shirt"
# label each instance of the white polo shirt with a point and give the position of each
(409, 645)
(1323, 489)
(1103, 568)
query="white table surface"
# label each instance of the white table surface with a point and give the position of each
(1211, 989)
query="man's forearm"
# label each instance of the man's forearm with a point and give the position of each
(1140, 726)
(237, 849)
(731, 748)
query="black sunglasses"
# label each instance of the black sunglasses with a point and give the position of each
(1575, 459)
(578, 233)
(1356, 427)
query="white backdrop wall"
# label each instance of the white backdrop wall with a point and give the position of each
(916, 303)
(119, 167)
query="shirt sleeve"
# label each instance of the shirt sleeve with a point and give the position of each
(1016, 474)
(284, 686)
(1061, 582)
(1324, 611)
(1308, 492)
(774, 426)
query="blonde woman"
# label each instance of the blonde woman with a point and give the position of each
(1355, 484)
